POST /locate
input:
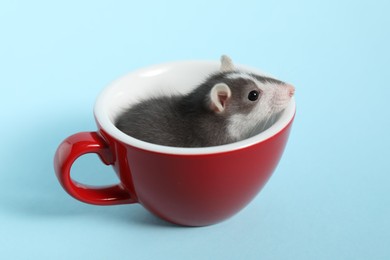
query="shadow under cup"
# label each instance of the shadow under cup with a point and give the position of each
(186, 186)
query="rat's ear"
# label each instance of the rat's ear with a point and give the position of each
(219, 95)
(226, 64)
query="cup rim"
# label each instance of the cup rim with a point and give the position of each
(104, 121)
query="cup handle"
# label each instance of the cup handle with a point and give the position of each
(73, 147)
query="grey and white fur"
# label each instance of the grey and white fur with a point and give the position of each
(228, 106)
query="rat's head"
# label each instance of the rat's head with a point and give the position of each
(248, 100)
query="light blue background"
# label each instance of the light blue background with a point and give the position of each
(328, 199)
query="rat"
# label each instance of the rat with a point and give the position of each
(229, 106)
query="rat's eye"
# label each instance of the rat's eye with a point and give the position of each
(253, 95)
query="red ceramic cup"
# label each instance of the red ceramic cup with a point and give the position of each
(186, 186)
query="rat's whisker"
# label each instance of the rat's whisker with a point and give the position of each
(266, 122)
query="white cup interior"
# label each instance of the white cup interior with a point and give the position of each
(174, 77)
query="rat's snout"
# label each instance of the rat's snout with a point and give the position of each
(291, 90)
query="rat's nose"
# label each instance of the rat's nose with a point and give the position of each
(291, 90)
